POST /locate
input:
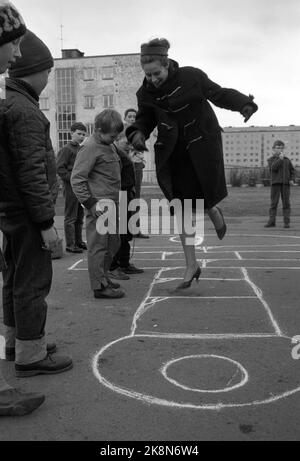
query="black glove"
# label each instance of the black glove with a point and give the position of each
(138, 141)
(249, 109)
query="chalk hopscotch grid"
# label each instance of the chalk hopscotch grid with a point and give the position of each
(149, 301)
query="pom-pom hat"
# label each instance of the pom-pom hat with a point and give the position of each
(12, 25)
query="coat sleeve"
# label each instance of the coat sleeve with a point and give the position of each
(226, 98)
(292, 171)
(2, 261)
(63, 158)
(27, 141)
(145, 120)
(84, 164)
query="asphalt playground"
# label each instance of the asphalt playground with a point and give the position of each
(213, 362)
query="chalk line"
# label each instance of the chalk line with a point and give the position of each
(259, 294)
(75, 265)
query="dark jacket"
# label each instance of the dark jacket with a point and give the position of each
(127, 170)
(96, 173)
(27, 169)
(2, 261)
(182, 113)
(66, 159)
(282, 170)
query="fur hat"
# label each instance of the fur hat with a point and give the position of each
(157, 50)
(12, 24)
(35, 57)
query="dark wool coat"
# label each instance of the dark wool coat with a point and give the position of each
(183, 116)
(27, 162)
(2, 261)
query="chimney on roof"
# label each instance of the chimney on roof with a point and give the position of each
(71, 53)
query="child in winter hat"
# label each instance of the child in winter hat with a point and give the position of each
(35, 58)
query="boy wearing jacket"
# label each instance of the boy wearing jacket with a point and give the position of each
(28, 187)
(96, 177)
(13, 401)
(74, 213)
(282, 175)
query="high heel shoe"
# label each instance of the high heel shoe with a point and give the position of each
(187, 284)
(222, 231)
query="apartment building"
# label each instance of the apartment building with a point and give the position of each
(81, 86)
(252, 146)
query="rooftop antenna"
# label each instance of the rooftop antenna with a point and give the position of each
(61, 37)
(61, 26)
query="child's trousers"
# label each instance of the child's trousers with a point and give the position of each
(282, 190)
(26, 283)
(74, 215)
(101, 251)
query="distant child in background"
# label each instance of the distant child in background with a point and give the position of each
(74, 213)
(97, 175)
(121, 266)
(137, 158)
(282, 175)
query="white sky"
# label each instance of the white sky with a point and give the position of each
(250, 45)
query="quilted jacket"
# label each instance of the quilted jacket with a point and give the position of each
(28, 181)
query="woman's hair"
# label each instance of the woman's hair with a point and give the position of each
(109, 120)
(158, 43)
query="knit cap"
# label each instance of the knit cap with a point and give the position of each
(12, 24)
(36, 57)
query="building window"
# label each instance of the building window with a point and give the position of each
(65, 85)
(89, 102)
(108, 101)
(44, 104)
(89, 73)
(65, 103)
(89, 128)
(63, 138)
(107, 73)
(65, 116)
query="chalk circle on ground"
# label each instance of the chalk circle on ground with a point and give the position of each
(197, 240)
(212, 370)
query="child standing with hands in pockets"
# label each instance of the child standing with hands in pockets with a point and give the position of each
(96, 176)
(282, 176)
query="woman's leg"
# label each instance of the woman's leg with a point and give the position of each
(190, 257)
(187, 237)
(218, 221)
(216, 217)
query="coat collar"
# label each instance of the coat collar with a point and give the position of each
(24, 88)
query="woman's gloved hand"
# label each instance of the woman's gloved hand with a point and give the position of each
(249, 109)
(138, 141)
